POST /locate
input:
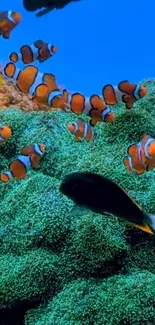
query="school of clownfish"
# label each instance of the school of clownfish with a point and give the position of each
(44, 90)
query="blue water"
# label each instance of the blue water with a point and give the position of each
(98, 41)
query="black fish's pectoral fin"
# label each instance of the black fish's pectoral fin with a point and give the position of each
(107, 214)
(44, 11)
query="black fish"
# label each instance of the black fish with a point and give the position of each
(47, 5)
(104, 196)
(31, 5)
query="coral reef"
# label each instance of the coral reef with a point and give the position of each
(64, 265)
(119, 300)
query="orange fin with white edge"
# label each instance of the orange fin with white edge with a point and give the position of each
(109, 95)
(127, 164)
(97, 103)
(39, 43)
(77, 103)
(126, 87)
(132, 150)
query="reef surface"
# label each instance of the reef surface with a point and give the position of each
(60, 265)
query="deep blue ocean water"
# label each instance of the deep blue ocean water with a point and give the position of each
(98, 41)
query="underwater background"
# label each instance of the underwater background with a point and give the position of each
(60, 265)
(98, 42)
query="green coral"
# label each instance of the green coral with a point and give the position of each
(32, 220)
(95, 247)
(28, 277)
(119, 300)
(49, 247)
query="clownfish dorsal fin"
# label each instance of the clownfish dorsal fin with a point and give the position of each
(132, 149)
(145, 136)
(38, 43)
(126, 87)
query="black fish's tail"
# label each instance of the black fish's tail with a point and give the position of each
(149, 223)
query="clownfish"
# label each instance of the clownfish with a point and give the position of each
(81, 130)
(8, 21)
(94, 107)
(39, 50)
(5, 133)
(134, 160)
(58, 99)
(124, 92)
(17, 169)
(101, 195)
(141, 156)
(31, 81)
(36, 151)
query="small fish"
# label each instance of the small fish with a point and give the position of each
(148, 151)
(134, 160)
(57, 99)
(81, 130)
(8, 21)
(17, 169)
(94, 107)
(141, 156)
(36, 151)
(31, 81)
(124, 92)
(39, 50)
(103, 196)
(5, 133)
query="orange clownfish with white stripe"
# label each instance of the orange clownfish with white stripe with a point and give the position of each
(94, 107)
(5, 133)
(125, 92)
(28, 159)
(8, 21)
(42, 86)
(81, 130)
(31, 81)
(36, 151)
(58, 99)
(38, 51)
(141, 156)
(17, 169)
(134, 160)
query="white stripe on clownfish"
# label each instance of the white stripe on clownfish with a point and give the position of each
(146, 146)
(37, 150)
(53, 94)
(10, 17)
(26, 160)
